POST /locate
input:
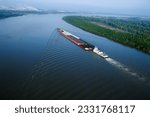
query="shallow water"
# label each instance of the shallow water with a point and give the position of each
(38, 63)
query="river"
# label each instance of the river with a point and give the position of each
(36, 62)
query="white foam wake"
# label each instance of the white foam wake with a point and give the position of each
(125, 69)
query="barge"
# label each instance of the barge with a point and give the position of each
(81, 43)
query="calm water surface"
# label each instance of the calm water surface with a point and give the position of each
(36, 62)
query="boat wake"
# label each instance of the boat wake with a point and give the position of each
(92, 48)
(125, 69)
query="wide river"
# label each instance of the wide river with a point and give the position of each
(36, 62)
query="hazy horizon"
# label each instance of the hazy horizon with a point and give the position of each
(130, 7)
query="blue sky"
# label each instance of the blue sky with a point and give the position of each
(108, 6)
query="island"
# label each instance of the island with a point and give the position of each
(130, 31)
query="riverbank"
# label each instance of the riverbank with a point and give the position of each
(14, 13)
(131, 32)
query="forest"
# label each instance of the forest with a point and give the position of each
(14, 13)
(131, 31)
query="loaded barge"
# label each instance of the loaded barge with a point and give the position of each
(81, 43)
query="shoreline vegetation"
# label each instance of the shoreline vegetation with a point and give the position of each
(132, 32)
(7, 13)
(14, 13)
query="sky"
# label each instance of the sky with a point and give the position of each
(136, 7)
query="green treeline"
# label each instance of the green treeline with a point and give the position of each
(136, 32)
(6, 14)
(13, 13)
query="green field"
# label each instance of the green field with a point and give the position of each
(133, 32)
